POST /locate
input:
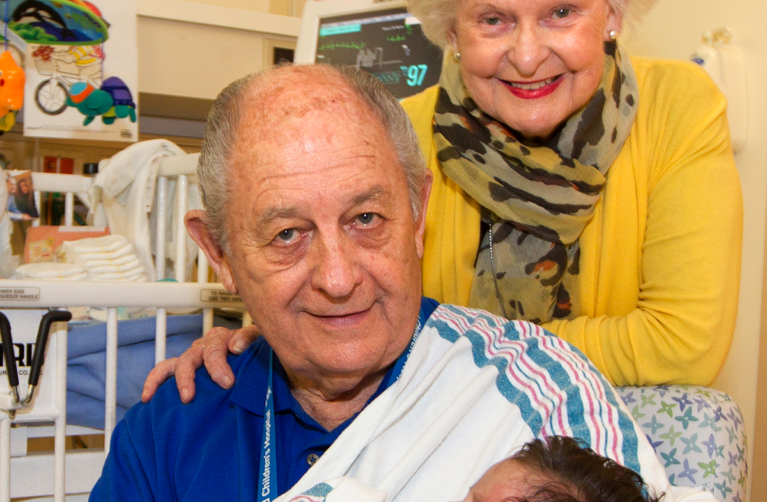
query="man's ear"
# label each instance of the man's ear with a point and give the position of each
(219, 261)
(421, 223)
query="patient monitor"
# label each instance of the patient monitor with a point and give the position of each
(381, 38)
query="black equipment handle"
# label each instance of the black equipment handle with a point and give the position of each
(8, 352)
(42, 341)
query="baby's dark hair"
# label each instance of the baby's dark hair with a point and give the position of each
(575, 473)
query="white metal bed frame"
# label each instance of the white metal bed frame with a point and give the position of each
(61, 473)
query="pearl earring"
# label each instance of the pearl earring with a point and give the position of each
(457, 56)
(613, 35)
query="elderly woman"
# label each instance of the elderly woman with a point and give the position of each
(568, 184)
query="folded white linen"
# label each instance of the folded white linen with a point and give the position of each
(99, 260)
(131, 266)
(125, 187)
(126, 250)
(107, 258)
(49, 270)
(105, 244)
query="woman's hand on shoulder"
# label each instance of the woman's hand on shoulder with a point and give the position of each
(210, 350)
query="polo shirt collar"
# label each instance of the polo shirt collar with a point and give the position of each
(251, 380)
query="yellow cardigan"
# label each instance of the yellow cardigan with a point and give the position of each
(660, 259)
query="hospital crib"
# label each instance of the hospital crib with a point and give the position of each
(697, 432)
(26, 474)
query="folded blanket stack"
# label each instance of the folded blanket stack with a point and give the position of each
(49, 271)
(108, 258)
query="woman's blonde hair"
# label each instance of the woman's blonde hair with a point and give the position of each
(438, 16)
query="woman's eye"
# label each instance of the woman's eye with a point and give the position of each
(366, 218)
(287, 235)
(561, 12)
(492, 21)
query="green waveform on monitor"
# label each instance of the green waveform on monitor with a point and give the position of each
(395, 38)
(331, 46)
(387, 78)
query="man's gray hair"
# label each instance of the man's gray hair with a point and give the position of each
(438, 16)
(221, 134)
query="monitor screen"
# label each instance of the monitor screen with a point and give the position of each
(386, 43)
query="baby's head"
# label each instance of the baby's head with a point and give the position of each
(558, 469)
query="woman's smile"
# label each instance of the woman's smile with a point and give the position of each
(516, 52)
(534, 90)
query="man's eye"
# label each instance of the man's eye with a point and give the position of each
(561, 12)
(492, 21)
(366, 218)
(287, 235)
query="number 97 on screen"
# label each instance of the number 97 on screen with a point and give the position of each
(414, 73)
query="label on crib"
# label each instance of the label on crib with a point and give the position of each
(20, 294)
(219, 295)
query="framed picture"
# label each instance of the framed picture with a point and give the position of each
(21, 196)
(278, 52)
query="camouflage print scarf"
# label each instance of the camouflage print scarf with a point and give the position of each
(536, 198)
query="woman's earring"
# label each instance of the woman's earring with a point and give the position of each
(457, 56)
(613, 35)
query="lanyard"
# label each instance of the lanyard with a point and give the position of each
(400, 364)
(267, 479)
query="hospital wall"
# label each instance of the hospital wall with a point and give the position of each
(190, 49)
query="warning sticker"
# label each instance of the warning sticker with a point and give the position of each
(20, 294)
(219, 295)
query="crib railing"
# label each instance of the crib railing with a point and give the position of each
(180, 168)
(61, 473)
(82, 469)
(71, 185)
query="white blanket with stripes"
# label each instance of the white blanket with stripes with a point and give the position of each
(474, 390)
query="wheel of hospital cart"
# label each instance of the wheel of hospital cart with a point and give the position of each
(51, 96)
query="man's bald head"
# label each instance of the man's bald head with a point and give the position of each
(280, 100)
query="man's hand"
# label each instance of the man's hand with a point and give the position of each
(211, 350)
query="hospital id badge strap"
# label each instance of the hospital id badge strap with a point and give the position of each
(267, 480)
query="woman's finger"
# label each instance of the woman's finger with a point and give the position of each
(187, 364)
(242, 338)
(210, 350)
(161, 372)
(215, 350)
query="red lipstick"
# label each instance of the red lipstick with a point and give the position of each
(534, 90)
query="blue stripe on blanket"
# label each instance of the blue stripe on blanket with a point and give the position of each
(543, 360)
(320, 490)
(629, 444)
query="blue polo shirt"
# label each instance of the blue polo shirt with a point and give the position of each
(210, 448)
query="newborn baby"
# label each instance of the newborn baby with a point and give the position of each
(554, 469)
(558, 469)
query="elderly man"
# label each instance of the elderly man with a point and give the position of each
(315, 195)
